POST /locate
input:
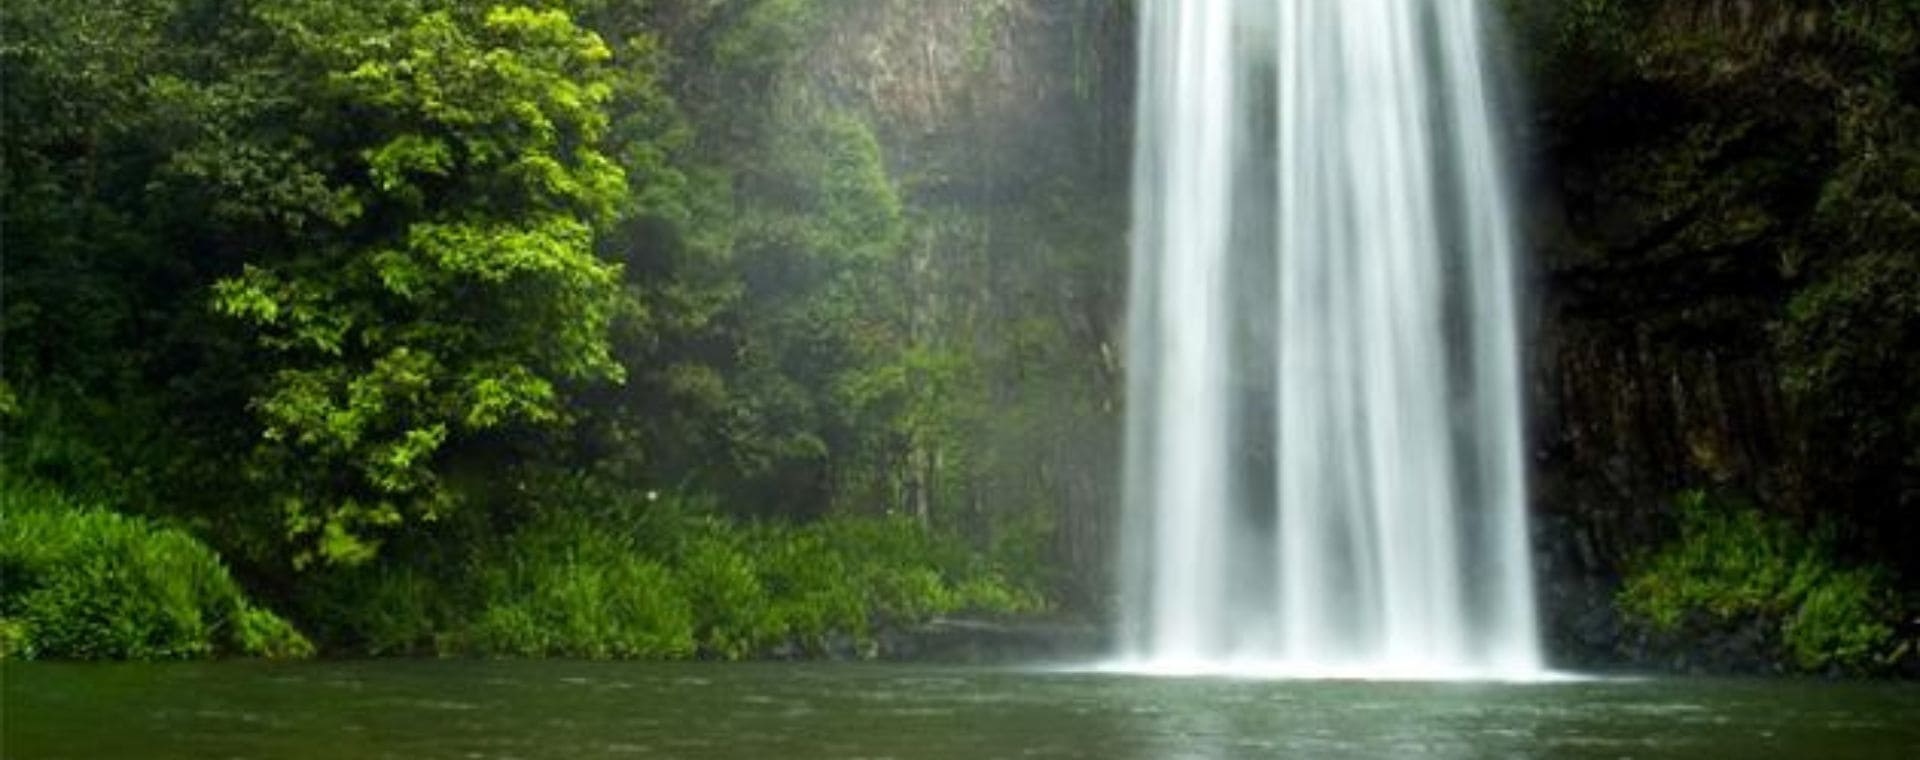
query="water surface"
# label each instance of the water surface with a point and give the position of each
(793, 711)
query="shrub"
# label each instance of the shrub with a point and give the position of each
(734, 613)
(989, 592)
(1732, 564)
(264, 634)
(1842, 620)
(671, 578)
(600, 574)
(13, 639)
(849, 574)
(810, 588)
(566, 586)
(388, 607)
(896, 567)
(86, 583)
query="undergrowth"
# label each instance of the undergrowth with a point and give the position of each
(81, 582)
(1731, 564)
(668, 579)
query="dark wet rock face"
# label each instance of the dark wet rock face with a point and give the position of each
(1720, 220)
(1718, 234)
(1578, 621)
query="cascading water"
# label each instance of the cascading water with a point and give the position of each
(1324, 465)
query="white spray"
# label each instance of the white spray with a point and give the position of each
(1324, 465)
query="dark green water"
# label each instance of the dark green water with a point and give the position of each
(786, 712)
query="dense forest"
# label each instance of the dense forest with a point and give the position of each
(561, 328)
(742, 328)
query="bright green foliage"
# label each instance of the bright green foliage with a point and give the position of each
(722, 590)
(1731, 565)
(323, 281)
(892, 570)
(810, 584)
(84, 583)
(444, 285)
(566, 588)
(897, 568)
(735, 612)
(15, 639)
(259, 633)
(612, 579)
(1845, 619)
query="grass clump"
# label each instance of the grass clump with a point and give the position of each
(617, 578)
(80, 582)
(564, 587)
(1731, 565)
(675, 579)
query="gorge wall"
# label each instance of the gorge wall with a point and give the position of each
(1724, 233)
(1723, 224)
(1006, 128)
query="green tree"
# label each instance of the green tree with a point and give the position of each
(422, 191)
(819, 229)
(72, 231)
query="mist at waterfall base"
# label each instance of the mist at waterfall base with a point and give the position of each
(1324, 467)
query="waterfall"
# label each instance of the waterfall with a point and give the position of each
(1324, 472)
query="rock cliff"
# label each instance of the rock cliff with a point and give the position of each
(1723, 271)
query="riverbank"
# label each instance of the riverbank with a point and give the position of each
(649, 579)
(664, 581)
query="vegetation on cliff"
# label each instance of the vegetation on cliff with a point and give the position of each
(1729, 273)
(1732, 566)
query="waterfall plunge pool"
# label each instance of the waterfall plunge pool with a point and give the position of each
(465, 709)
